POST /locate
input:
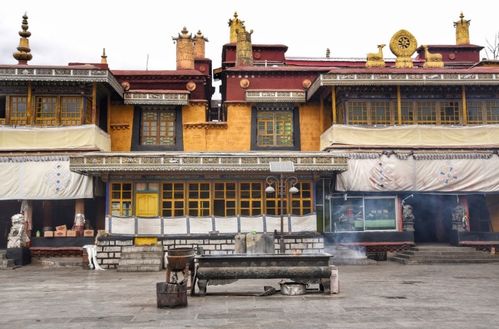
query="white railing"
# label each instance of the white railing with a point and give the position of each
(205, 225)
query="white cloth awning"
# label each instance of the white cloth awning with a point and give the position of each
(432, 173)
(41, 178)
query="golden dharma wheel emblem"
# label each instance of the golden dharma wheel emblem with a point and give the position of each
(244, 83)
(126, 85)
(403, 44)
(191, 86)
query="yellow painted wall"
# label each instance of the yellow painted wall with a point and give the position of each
(310, 130)
(194, 138)
(121, 124)
(235, 137)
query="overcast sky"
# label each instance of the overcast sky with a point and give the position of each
(76, 31)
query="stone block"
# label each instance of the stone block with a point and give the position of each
(319, 245)
(102, 255)
(112, 249)
(110, 261)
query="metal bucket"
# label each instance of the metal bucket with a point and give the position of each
(179, 258)
(293, 288)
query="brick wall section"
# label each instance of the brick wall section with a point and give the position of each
(109, 249)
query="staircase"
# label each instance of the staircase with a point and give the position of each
(443, 254)
(141, 259)
(5, 263)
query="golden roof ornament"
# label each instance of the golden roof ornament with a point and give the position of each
(235, 24)
(23, 54)
(403, 45)
(185, 50)
(103, 57)
(462, 30)
(199, 45)
(376, 59)
(244, 48)
(432, 60)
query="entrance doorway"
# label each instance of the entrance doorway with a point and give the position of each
(433, 217)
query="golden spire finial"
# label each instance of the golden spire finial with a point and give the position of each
(462, 30)
(103, 57)
(23, 54)
(235, 24)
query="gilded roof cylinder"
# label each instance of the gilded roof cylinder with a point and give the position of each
(244, 48)
(199, 45)
(185, 50)
(235, 24)
(462, 31)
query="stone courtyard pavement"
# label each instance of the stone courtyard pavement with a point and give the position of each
(386, 295)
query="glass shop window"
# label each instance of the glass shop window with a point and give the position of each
(363, 213)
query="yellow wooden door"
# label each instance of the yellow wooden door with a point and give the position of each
(146, 204)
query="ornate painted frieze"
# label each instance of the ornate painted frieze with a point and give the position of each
(156, 98)
(101, 163)
(275, 96)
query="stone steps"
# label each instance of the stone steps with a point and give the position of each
(443, 255)
(141, 259)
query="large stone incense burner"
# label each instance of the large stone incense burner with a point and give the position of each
(311, 268)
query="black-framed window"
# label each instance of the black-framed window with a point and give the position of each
(275, 127)
(157, 128)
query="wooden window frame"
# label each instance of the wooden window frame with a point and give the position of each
(270, 108)
(252, 199)
(137, 127)
(121, 200)
(42, 117)
(68, 120)
(298, 197)
(228, 211)
(173, 199)
(199, 200)
(153, 130)
(16, 120)
(369, 117)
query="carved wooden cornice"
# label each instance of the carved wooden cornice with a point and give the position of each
(102, 163)
(402, 79)
(60, 74)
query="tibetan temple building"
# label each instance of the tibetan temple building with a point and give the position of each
(374, 152)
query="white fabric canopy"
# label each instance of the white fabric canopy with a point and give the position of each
(41, 178)
(390, 173)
